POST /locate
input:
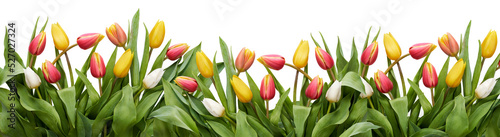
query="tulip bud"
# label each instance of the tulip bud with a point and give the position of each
(449, 45)
(301, 54)
(37, 45)
(242, 91)
(204, 64)
(429, 75)
(176, 51)
(383, 83)
(455, 75)
(152, 79)
(216, 109)
(272, 61)
(31, 78)
(50, 72)
(267, 88)
(116, 35)
(334, 92)
(244, 60)
(368, 89)
(421, 50)
(89, 40)
(370, 54)
(157, 34)
(315, 89)
(325, 61)
(489, 44)
(60, 38)
(187, 83)
(485, 88)
(391, 47)
(123, 64)
(97, 67)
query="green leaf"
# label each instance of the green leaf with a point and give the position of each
(230, 71)
(477, 68)
(358, 128)
(220, 129)
(255, 91)
(464, 54)
(457, 117)
(145, 55)
(146, 103)
(93, 95)
(243, 129)
(188, 66)
(353, 80)
(175, 116)
(105, 112)
(218, 86)
(84, 126)
(490, 73)
(159, 60)
(275, 115)
(341, 61)
(300, 116)
(263, 132)
(204, 89)
(478, 114)
(379, 119)
(67, 96)
(327, 123)
(353, 62)
(411, 92)
(132, 45)
(125, 113)
(429, 132)
(400, 107)
(421, 97)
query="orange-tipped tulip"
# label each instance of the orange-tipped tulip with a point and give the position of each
(272, 61)
(383, 83)
(89, 40)
(429, 75)
(176, 51)
(116, 35)
(37, 45)
(97, 67)
(449, 45)
(204, 65)
(123, 64)
(157, 34)
(187, 83)
(60, 38)
(391, 47)
(267, 88)
(244, 60)
(242, 91)
(455, 75)
(50, 72)
(325, 61)
(315, 89)
(370, 54)
(301, 54)
(489, 44)
(421, 50)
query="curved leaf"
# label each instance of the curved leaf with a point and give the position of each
(175, 116)
(359, 128)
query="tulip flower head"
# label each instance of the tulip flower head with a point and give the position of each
(429, 75)
(216, 109)
(315, 89)
(152, 79)
(449, 45)
(383, 83)
(244, 60)
(60, 38)
(370, 54)
(368, 90)
(391, 47)
(37, 45)
(301, 54)
(116, 35)
(272, 61)
(455, 74)
(31, 78)
(489, 44)
(89, 40)
(176, 51)
(267, 88)
(157, 34)
(204, 65)
(334, 92)
(122, 66)
(50, 72)
(485, 88)
(242, 91)
(187, 83)
(325, 61)
(421, 50)
(97, 67)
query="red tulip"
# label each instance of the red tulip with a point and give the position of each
(89, 40)
(50, 72)
(448, 44)
(421, 50)
(315, 89)
(267, 88)
(325, 61)
(370, 54)
(187, 83)
(176, 51)
(429, 75)
(37, 45)
(97, 67)
(272, 61)
(244, 60)
(383, 83)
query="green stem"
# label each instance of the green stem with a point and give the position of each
(363, 73)
(58, 85)
(63, 52)
(482, 63)
(150, 52)
(267, 108)
(31, 61)
(402, 79)
(213, 82)
(331, 73)
(70, 70)
(308, 102)
(295, 87)
(432, 96)
(38, 92)
(371, 103)
(238, 74)
(470, 103)
(445, 94)
(136, 96)
(390, 95)
(230, 120)
(300, 70)
(394, 63)
(100, 86)
(329, 107)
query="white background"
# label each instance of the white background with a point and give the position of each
(266, 26)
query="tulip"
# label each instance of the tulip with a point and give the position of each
(391, 47)
(37, 45)
(123, 64)
(325, 61)
(455, 75)
(242, 91)
(315, 89)
(60, 38)
(152, 79)
(89, 40)
(272, 61)
(334, 92)
(383, 83)
(50, 72)
(176, 51)
(485, 88)
(429, 75)
(244, 60)
(116, 35)
(97, 67)
(216, 109)
(157, 34)
(370, 54)
(31, 78)
(187, 83)
(489, 44)
(449, 45)
(267, 88)
(301, 54)
(368, 89)
(204, 64)
(421, 50)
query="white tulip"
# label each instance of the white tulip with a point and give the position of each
(368, 89)
(31, 78)
(483, 90)
(334, 92)
(152, 79)
(216, 109)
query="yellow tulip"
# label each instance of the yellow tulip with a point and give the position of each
(391, 47)
(301, 54)
(204, 64)
(157, 34)
(123, 64)
(455, 75)
(489, 44)
(242, 91)
(60, 38)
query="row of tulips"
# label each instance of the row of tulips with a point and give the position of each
(177, 100)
